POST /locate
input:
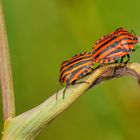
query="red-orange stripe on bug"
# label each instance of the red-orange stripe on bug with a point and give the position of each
(115, 45)
(75, 68)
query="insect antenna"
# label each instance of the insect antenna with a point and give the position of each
(133, 32)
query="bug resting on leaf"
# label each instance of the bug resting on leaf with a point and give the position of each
(116, 45)
(75, 68)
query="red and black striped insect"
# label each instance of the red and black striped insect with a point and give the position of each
(114, 46)
(75, 68)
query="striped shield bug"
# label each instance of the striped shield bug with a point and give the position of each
(75, 68)
(112, 47)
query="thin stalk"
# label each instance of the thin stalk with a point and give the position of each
(5, 72)
(28, 125)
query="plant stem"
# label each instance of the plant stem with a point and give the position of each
(5, 72)
(28, 125)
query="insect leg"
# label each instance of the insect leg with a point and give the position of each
(81, 82)
(65, 91)
(122, 59)
(117, 61)
(128, 56)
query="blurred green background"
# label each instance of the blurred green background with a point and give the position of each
(44, 33)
